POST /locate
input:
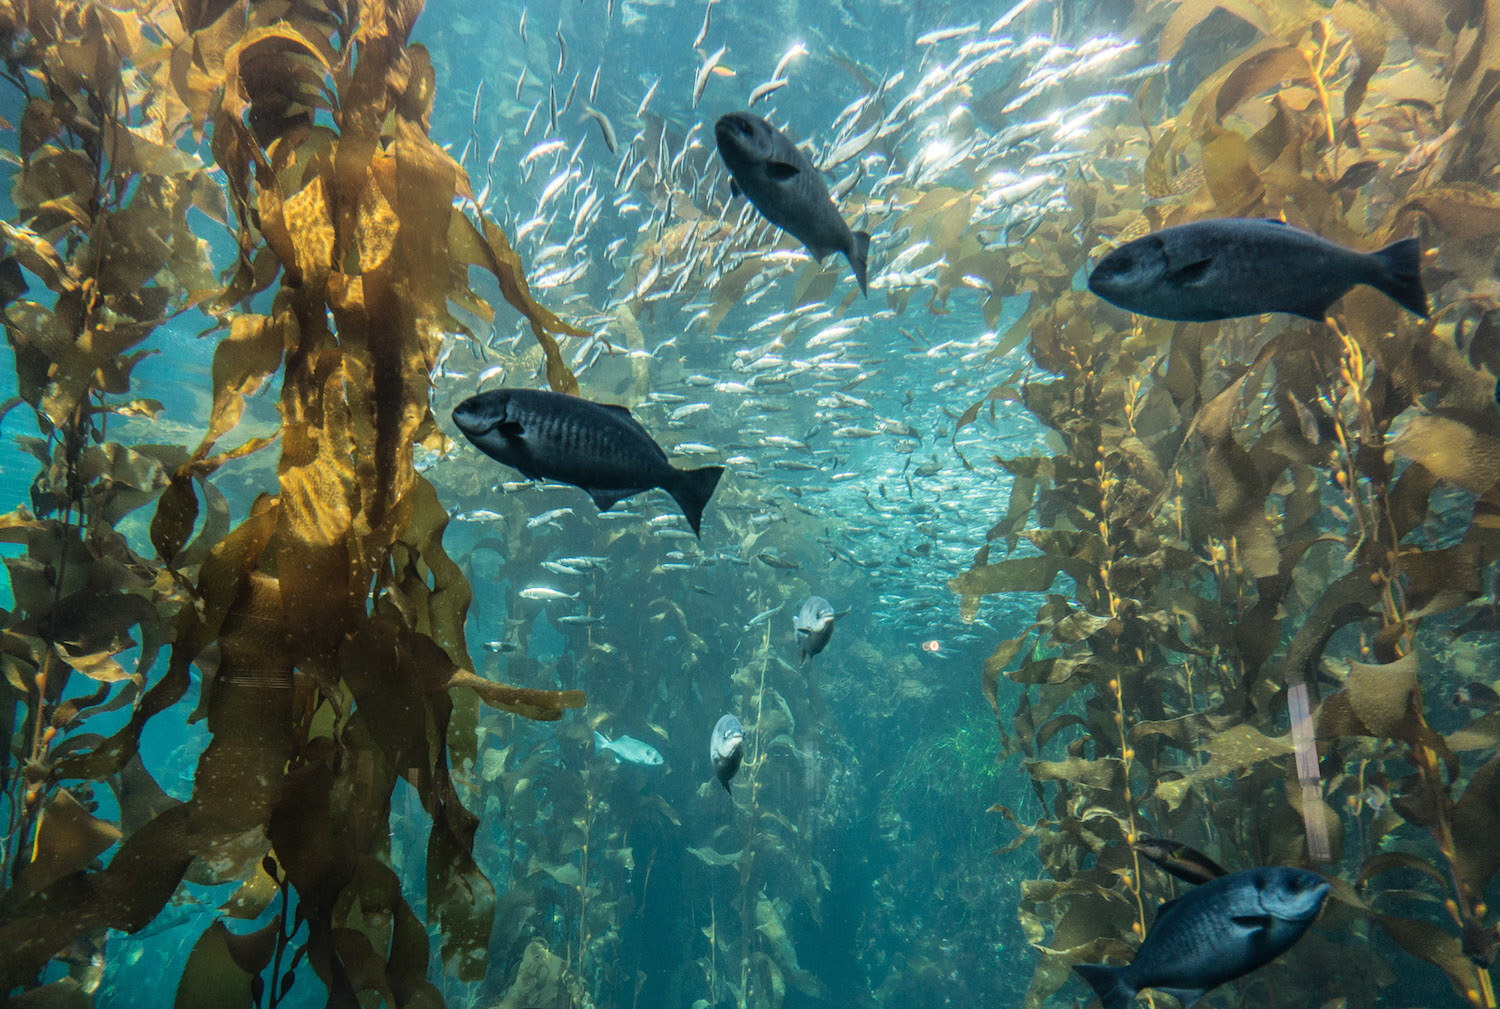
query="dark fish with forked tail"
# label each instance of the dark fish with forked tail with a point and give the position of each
(595, 446)
(773, 174)
(726, 748)
(1238, 266)
(1214, 933)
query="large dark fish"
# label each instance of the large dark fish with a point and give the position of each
(1236, 266)
(1214, 933)
(773, 174)
(813, 625)
(595, 446)
(727, 748)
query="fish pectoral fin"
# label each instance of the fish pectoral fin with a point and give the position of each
(1187, 996)
(1191, 273)
(734, 189)
(1252, 922)
(509, 428)
(1316, 311)
(781, 170)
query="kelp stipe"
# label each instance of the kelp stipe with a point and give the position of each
(328, 624)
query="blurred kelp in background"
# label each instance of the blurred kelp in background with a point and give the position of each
(327, 624)
(1252, 515)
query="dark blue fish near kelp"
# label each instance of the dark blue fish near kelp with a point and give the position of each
(773, 174)
(595, 446)
(1215, 933)
(1235, 266)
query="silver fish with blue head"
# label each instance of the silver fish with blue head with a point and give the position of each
(1236, 266)
(777, 178)
(627, 748)
(1215, 933)
(813, 626)
(726, 748)
(595, 446)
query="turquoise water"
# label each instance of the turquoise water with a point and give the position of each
(861, 858)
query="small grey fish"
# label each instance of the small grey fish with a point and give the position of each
(813, 625)
(1214, 933)
(594, 446)
(778, 180)
(628, 749)
(1237, 266)
(726, 748)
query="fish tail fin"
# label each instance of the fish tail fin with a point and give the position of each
(1400, 275)
(858, 258)
(600, 743)
(725, 783)
(692, 490)
(1107, 984)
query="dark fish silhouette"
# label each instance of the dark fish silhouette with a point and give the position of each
(773, 174)
(595, 446)
(727, 748)
(1236, 266)
(1214, 933)
(813, 625)
(1180, 860)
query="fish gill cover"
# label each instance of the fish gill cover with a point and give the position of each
(1235, 573)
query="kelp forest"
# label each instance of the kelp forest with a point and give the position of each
(291, 721)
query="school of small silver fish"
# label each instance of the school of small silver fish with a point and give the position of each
(837, 414)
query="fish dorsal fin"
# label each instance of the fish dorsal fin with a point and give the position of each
(781, 170)
(618, 409)
(1164, 905)
(734, 189)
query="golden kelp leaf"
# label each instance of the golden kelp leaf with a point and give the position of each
(1190, 13)
(219, 969)
(1381, 695)
(1429, 942)
(505, 263)
(1368, 32)
(543, 705)
(1482, 733)
(1459, 209)
(243, 360)
(309, 221)
(70, 839)
(1451, 450)
(1476, 826)
(1234, 184)
(1019, 574)
(1263, 69)
(1230, 752)
(1103, 772)
(252, 896)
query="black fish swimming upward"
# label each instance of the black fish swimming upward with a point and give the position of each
(595, 446)
(773, 174)
(1236, 266)
(1214, 933)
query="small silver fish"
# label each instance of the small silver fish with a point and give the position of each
(700, 81)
